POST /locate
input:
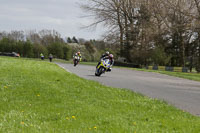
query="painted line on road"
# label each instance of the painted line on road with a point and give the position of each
(64, 68)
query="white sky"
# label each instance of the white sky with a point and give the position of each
(64, 16)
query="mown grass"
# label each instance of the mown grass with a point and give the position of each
(191, 76)
(38, 96)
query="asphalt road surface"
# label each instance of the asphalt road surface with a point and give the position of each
(182, 93)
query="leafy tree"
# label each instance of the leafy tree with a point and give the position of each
(159, 56)
(69, 40)
(7, 45)
(67, 50)
(81, 40)
(56, 49)
(74, 40)
(197, 67)
(38, 48)
(20, 47)
(28, 49)
(90, 47)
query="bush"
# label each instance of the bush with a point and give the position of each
(7, 45)
(56, 49)
(67, 52)
(198, 67)
(38, 48)
(159, 56)
(27, 49)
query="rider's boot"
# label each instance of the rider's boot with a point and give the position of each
(109, 69)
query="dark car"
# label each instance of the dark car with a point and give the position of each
(13, 54)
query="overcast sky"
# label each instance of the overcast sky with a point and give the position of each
(65, 16)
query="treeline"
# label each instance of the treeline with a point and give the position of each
(31, 44)
(147, 32)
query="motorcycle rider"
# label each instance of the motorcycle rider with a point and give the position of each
(102, 56)
(50, 57)
(79, 55)
(42, 56)
(107, 56)
(110, 57)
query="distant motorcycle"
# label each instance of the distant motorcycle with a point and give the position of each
(76, 60)
(103, 67)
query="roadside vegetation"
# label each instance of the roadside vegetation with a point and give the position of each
(32, 43)
(38, 96)
(191, 76)
(148, 32)
(142, 32)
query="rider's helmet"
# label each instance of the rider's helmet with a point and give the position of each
(111, 56)
(107, 53)
(78, 53)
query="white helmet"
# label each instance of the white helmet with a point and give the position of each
(107, 52)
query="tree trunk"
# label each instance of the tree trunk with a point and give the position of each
(121, 32)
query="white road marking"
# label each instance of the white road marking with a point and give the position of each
(64, 68)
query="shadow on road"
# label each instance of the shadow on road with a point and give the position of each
(91, 75)
(95, 76)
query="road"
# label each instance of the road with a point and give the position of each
(182, 93)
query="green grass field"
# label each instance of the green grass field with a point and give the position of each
(191, 76)
(38, 96)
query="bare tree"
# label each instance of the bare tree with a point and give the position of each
(143, 25)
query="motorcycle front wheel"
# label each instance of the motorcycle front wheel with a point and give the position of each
(75, 62)
(99, 72)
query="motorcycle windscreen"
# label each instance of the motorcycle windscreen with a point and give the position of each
(106, 63)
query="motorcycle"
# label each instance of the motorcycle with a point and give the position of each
(103, 67)
(76, 60)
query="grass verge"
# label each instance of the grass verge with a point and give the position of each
(38, 96)
(191, 76)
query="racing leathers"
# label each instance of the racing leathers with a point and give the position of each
(78, 55)
(103, 57)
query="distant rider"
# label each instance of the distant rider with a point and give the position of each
(78, 54)
(42, 56)
(50, 57)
